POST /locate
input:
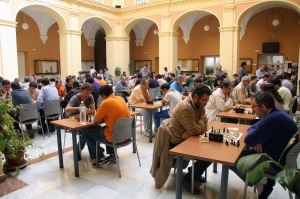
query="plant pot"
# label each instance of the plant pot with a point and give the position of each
(19, 160)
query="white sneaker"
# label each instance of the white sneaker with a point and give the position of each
(147, 133)
(260, 185)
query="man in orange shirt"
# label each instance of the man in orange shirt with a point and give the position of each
(112, 108)
(60, 88)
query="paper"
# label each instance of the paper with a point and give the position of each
(102, 124)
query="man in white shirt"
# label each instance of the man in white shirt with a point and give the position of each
(284, 92)
(240, 92)
(219, 101)
(172, 98)
(262, 81)
(160, 80)
(92, 70)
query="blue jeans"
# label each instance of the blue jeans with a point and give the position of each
(91, 134)
(158, 115)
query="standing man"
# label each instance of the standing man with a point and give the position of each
(167, 72)
(145, 71)
(260, 72)
(105, 75)
(272, 72)
(112, 108)
(240, 92)
(242, 72)
(178, 70)
(219, 101)
(189, 119)
(172, 98)
(121, 85)
(92, 70)
(177, 85)
(219, 72)
(269, 135)
(139, 95)
(47, 93)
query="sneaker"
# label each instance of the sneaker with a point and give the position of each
(111, 158)
(188, 185)
(260, 185)
(100, 163)
(41, 131)
(31, 134)
(147, 133)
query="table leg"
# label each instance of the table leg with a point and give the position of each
(133, 135)
(179, 163)
(60, 158)
(75, 154)
(224, 181)
(150, 126)
(215, 167)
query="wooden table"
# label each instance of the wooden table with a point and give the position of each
(234, 115)
(217, 152)
(149, 108)
(73, 126)
(123, 91)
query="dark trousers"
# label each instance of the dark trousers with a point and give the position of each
(199, 167)
(42, 114)
(17, 125)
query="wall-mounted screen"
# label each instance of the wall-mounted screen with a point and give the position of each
(270, 47)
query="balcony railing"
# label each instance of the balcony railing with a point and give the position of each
(138, 2)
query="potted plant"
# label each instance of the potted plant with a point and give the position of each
(117, 72)
(12, 143)
(288, 177)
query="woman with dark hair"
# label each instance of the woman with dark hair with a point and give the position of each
(270, 88)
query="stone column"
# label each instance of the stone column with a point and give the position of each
(229, 39)
(117, 53)
(2, 175)
(8, 50)
(168, 45)
(70, 52)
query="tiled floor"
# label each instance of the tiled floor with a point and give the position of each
(46, 180)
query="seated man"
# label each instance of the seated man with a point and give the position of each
(121, 85)
(220, 100)
(177, 85)
(240, 92)
(21, 96)
(262, 81)
(252, 88)
(170, 96)
(284, 92)
(189, 119)
(153, 83)
(112, 108)
(60, 88)
(270, 135)
(47, 93)
(33, 91)
(138, 95)
(72, 108)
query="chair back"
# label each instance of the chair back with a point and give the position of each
(52, 108)
(151, 92)
(293, 106)
(292, 155)
(122, 130)
(157, 92)
(28, 112)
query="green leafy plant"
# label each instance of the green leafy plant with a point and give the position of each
(117, 71)
(288, 177)
(11, 141)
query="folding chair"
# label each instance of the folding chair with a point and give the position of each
(122, 136)
(52, 110)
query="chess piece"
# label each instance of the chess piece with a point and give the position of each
(233, 143)
(224, 130)
(226, 142)
(238, 143)
(212, 129)
(205, 135)
(227, 131)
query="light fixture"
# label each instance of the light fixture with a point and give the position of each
(155, 32)
(275, 22)
(206, 27)
(25, 25)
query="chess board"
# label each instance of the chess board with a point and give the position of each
(231, 135)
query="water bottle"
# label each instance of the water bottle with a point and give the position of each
(82, 113)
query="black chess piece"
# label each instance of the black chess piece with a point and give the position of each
(212, 129)
(205, 135)
(224, 130)
(238, 143)
(227, 131)
(233, 143)
(226, 142)
(78, 119)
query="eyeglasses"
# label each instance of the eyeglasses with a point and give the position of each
(255, 106)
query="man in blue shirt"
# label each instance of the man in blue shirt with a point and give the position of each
(121, 85)
(48, 92)
(177, 85)
(145, 71)
(260, 72)
(242, 72)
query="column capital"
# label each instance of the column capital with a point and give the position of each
(117, 38)
(8, 23)
(71, 32)
(229, 28)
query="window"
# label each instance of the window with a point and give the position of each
(269, 59)
(210, 64)
(138, 2)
